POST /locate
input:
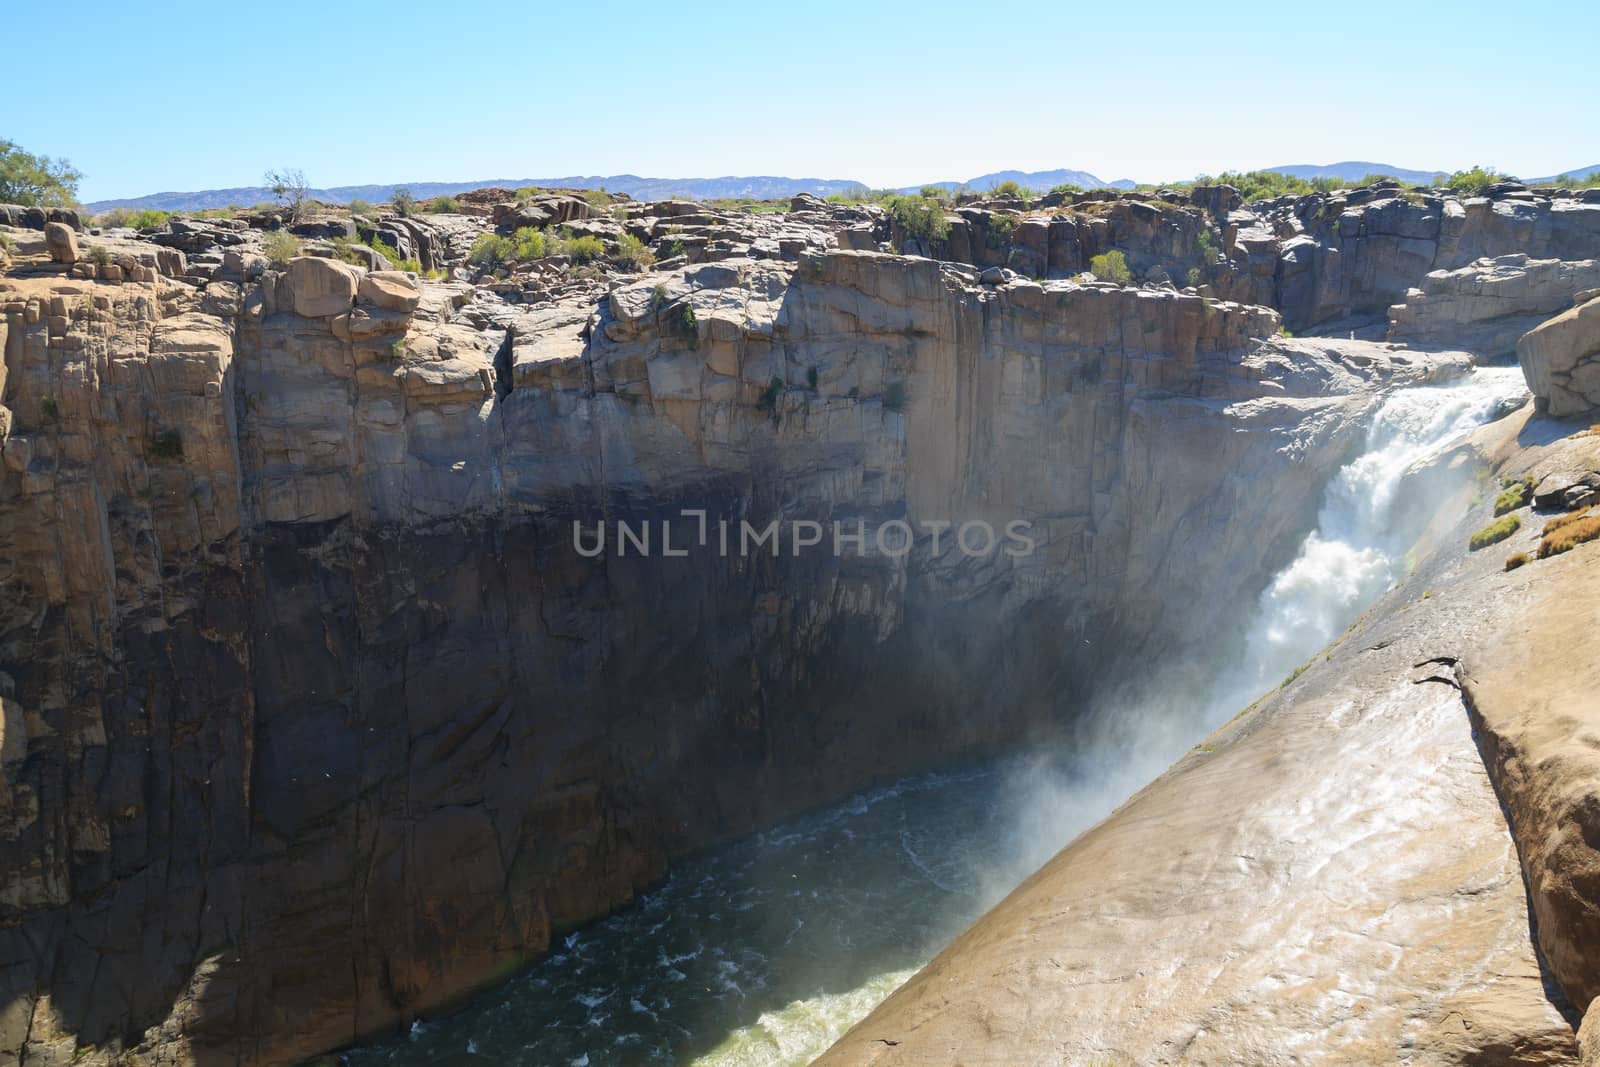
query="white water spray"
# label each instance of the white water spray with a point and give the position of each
(1363, 532)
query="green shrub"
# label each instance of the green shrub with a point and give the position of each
(932, 192)
(918, 218)
(1000, 231)
(600, 198)
(894, 396)
(526, 193)
(527, 244)
(362, 209)
(397, 351)
(491, 251)
(1513, 497)
(404, 203)
(166, 444)
(1495, 532)
(143, 219)
(1011, 190)
(50, 409)
(101, 255)
(1197, 277)
(1066, 187)
(441, 205)
(1111, 267)
(584, 249)
(280, 246)
(686, 325)
(632, 253)
(1206, 246)
(1474, 181)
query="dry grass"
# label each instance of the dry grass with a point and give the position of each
(1515, 560)
(1569, 536)
(1559, 521)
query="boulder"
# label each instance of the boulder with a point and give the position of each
(62, 244)
(320, 287)
(389, 290)
(1561, 360)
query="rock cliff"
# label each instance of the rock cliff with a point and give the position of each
(316, 715)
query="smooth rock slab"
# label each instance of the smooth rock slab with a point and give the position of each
(1334, 884)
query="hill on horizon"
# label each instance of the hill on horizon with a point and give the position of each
(755, 187)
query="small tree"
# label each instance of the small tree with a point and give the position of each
(36, 180)
(289, 188)
(1111, 267)
(405, 205)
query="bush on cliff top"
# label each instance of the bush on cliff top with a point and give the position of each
(1475, 180)
(919, 218)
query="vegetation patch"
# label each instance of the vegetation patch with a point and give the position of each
(919, 218)
(1569, 536)
(1495, 532)
(280, 246)
(491, 251)
(1111, 267)
(1515, 560)
(1559, 521)
(632, 254)
(441, 205)
(1513, 496)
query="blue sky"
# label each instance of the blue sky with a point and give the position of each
(152, 97)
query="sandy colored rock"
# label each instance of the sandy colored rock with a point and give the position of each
(61, 242)
(389, 291)
(320, 287)
(1561, 359)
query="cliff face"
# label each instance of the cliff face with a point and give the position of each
(316, 716)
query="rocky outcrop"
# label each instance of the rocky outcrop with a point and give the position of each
(1363, 899)
(1487, 306)
(326, 717)
(1561, 360)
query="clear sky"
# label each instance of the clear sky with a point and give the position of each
(178, 96)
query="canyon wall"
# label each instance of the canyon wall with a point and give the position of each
(315, 716)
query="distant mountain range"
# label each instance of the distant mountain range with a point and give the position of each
(758, 187)
(1356, 169)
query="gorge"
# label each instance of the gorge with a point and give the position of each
(316, 719)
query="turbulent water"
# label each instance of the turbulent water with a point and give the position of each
(765, 952)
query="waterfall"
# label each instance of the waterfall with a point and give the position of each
(1357, 552)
